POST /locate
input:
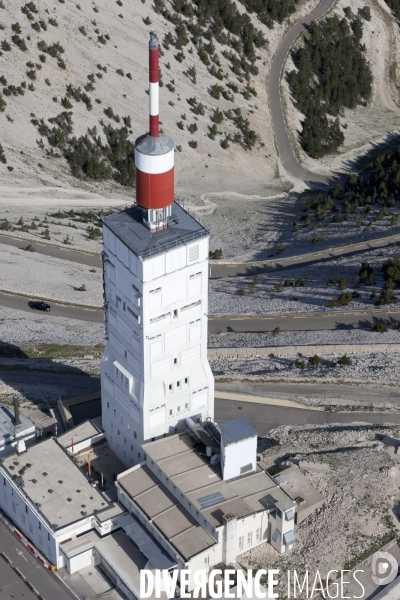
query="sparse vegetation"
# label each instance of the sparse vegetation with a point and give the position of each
(332, 73)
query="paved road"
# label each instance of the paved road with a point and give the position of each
(82, 258)
(322, 391)
(312, 322)
(57, 310)
(303, 260)
(266, 417)
(11, 586)
(282, 139)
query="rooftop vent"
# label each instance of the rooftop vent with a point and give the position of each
(11, 468)
(84, 513)
(60, 481)
(50, 491)
(83, 505)
(210, 500)
(44, 474)
(78, 491)
(34, 480)
(69, 499)
(16, 463)
(280, 479)
(300, 500)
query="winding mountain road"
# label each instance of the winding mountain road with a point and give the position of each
(281, 134)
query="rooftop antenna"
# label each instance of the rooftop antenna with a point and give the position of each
(17, 420)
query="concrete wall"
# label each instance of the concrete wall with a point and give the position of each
(25, 516)
(238, 457)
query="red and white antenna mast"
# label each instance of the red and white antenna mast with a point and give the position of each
(154, 106)
(154, 158)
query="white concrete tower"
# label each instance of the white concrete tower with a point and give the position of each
(154, 371)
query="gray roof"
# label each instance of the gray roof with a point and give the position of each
(154, 146)
(146, 543)
(80, 433)
(7, 427)
(236, 431)
(127, 225)
(53, 482)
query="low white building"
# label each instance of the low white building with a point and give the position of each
(50, 500)
(184, 499)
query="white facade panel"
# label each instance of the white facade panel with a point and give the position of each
(188, 356)
(239, 459)
(194, 332)
(110, 272)
(175, 260)
(157, 419)
(154, 268)
(160, 367)
(175, 338)
(155, 300)
(109, 385)
(156, 348)
(112, 319)
(133, 362)
(122, 253)
(199, 400)
(115, 343)
(195, 285)
(174, 291)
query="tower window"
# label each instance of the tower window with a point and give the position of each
(175, 360)
(170, 388)
(178, 384)
(124, 305)
(170, 412)
(134, 434)
(175, 314)
(187, 406)
(186, 380)
(178, 410)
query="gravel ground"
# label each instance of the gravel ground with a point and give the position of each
(376, 368)
(20, 328)
(48, 277)
(302, 338)
(361, 491)
(315, 295)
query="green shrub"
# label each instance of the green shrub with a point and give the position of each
(192, 144)
(314, 361)
(240, 292)
(216, 254)
(278, 287)
(82, 288)
(366, 274)
(276, 331)
(300, 364)
(344, 361)
(344, 299)
(378, 328)
(2, 155)
(29, 248)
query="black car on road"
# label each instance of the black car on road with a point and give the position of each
(38, 305)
